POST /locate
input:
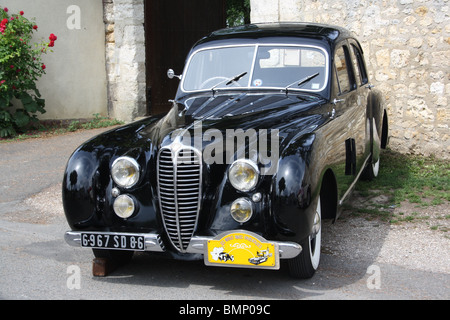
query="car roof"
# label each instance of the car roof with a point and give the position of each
(259, 32)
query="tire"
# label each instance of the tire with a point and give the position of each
(304, 265)
(385, 131)
(373, 167)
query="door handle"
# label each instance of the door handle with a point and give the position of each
(335, 101)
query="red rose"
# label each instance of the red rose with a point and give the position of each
(3, 25)
(43, 67)
(51, 44)
(5, 9)
(21, 13)
(35, 27)
(52, 37)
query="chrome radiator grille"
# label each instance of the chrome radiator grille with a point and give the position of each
(179, 188)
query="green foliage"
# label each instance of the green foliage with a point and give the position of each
(97, 122)
(51, 129)
(411, 178)
(421, 181)
(238, 12)
(20, 67)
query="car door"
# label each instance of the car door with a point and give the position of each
(362, 113)
(349, 109)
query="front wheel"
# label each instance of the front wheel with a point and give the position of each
(304, 265)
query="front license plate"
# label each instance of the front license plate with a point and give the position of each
(242, 249)
(112, 241)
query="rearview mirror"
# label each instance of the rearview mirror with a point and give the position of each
(171, 74)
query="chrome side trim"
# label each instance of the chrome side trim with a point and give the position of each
(352, 185)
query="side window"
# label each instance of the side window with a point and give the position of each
(342, 71)
(359, 66)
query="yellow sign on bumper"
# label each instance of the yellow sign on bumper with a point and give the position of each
(242, 249)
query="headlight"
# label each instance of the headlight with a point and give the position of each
(241, 210)
(243, 174)
(124, 206)
(125, 172)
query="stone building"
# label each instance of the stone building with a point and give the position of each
(407, 49)
(143, 40)
(112, 55)
(125, 58)
(406, 43)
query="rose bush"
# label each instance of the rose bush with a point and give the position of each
(20, 67)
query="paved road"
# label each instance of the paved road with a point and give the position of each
(36, 263)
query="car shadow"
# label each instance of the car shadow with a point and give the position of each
(349, 247)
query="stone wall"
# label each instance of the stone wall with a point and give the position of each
(125, 58)
(407, 49)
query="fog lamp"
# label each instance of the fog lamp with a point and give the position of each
(124, 206)
(241, 210)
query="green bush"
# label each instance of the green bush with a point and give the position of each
(20, 67)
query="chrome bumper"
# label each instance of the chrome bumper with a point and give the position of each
(153, 242)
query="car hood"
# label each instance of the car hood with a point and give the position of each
(291, 115)
(287, 113)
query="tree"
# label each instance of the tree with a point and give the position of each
(238, 12)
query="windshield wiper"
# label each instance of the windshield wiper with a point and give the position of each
(230, 80)
(302, 81)
(237, 78)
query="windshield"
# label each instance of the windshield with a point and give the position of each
(257, 66)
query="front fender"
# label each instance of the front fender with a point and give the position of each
(78, 192)
(294, 190)
(87, 184)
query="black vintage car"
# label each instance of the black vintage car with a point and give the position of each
(271, 127)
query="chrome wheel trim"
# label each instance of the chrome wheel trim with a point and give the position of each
(376, 168)
(315, 240)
